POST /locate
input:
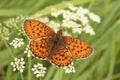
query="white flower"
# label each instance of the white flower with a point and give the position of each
(28, 51)
(4, 32)
(82, 11)
(17, 42)
(94, 17)
(67, 14)
(70, 24)
(89, 29)
(76, 18)
(18, 64)
(39, 70)
(56, 13)
(6, 38)
(83, 19)
(77, 30)
(13, 22)
(54, 25)
(44, 19)
(72, 8)
(69, 69)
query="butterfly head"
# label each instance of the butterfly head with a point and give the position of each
(59, 33)
(58, 36)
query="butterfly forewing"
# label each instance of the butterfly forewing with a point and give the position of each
(36, 29)
(78, 48)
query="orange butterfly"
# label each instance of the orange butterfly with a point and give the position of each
(56, 48)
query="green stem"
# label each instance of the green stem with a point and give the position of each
(91, 3)
(11, 52)
(29, 68)
(110, 30)
(112, 60)
(8, 73)
(60, 73)
(21, 76)
(40, 78)
(41, 63)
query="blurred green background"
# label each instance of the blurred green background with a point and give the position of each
(104, 64)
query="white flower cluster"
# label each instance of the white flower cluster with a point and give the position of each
(13, 22)
(77, 18)
(39, 70)
(54, 24)
(17, 42)
(70, 68)
(18, 64)
(45, 19)
(4, 32)
(27, 50)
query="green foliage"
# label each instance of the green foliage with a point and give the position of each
(103, 64)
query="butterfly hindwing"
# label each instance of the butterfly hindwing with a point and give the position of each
(41, 47)
(60, 56)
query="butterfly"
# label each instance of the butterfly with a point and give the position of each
(54, 47)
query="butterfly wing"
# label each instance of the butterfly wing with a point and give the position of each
(41, 47)
(36, 29)
(60, 55)
(78, 48)
(42, 37)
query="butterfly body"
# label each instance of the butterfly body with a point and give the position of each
(54, 47)
(58, 36)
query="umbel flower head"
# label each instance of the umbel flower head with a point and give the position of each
(17, 42)
(77, 19)
(18, 64)
(27, 51)
(69, 69)
(39, 70)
